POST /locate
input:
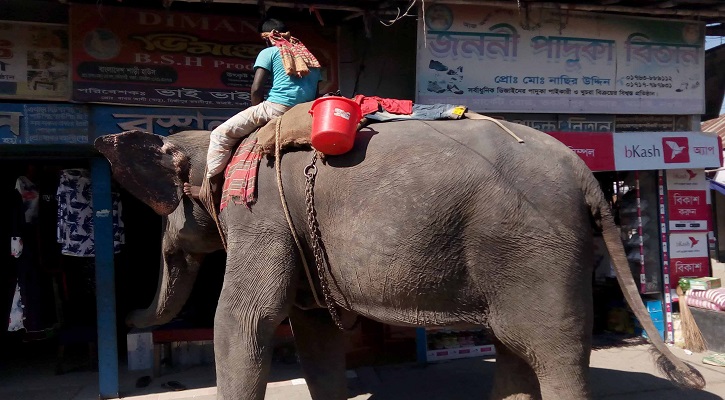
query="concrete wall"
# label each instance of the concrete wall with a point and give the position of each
(384, 64)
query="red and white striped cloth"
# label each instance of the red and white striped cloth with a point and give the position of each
(713, 299)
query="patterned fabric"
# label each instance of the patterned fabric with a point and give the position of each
(16, 312)
(240, 181)
(297, 60)
(701, 303)
(75, 215)
(715, 296)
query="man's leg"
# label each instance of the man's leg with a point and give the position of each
(228, 134)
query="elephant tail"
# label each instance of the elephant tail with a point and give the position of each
(675, 369)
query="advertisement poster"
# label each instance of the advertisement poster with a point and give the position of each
(687, 179)
(688, 256)
(161, 121)
(44, 124)
(155, 57)
(584, 62)
(34, 61)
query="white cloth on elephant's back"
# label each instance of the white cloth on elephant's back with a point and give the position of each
(74, 229)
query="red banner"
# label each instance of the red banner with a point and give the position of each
(688, 210)
(595, 148)
(695, 267)
(132, 56)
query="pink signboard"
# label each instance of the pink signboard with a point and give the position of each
(595, 148)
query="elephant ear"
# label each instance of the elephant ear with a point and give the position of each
(148, 166)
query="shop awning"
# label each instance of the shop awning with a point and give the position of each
(717, 186)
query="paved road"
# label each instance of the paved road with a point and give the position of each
(624, 373)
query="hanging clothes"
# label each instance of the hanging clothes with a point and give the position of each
(75, 215)
(30, 195)
(15, 320)
(33, 302)
(10, 235)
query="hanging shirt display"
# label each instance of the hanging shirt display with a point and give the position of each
(75, 215)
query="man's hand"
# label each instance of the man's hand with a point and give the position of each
(260, 77)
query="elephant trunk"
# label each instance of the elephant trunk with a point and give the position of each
(176, 280)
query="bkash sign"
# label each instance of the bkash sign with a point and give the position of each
(638, 151)
(666, 150)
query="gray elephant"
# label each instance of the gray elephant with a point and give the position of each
(424, 223)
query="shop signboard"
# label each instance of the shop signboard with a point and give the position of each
(688, 256)
(559, 61)
(34, 61)
(44, 124)
(651, 123)
(153, 57)
(687, 152)
(666, 150)
(561, 122)
(159, 120)
(595, 148)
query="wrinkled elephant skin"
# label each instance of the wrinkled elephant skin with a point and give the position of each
(424, 223)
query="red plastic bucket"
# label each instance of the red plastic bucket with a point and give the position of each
(334, 124)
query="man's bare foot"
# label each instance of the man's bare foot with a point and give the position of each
(191, 191)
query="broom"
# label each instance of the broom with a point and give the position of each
(690, 332)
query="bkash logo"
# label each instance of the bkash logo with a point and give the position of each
(676, 150)
(638, 151)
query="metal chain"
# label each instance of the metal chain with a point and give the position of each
(311, 174)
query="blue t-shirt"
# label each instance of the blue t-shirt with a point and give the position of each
(287, 90)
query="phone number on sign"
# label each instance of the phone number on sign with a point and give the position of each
(660, 78)
(648, 85)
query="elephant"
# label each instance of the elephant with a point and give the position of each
(423, 224)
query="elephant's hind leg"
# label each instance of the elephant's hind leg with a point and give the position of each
(554, 339)
(321, 348)
(514, 378)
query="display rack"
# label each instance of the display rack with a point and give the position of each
(438, 344)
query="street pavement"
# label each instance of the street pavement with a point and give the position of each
(626, 373)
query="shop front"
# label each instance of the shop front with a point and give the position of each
(85, 251)
(625, 96)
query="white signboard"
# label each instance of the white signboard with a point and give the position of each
(666, 150)
(34, 61)
(688, 245)
(551, 61)
(686, 179)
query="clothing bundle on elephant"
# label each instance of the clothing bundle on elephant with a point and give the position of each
(424, 223)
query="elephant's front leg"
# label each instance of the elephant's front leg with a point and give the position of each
(321, 348)
(254, 300)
